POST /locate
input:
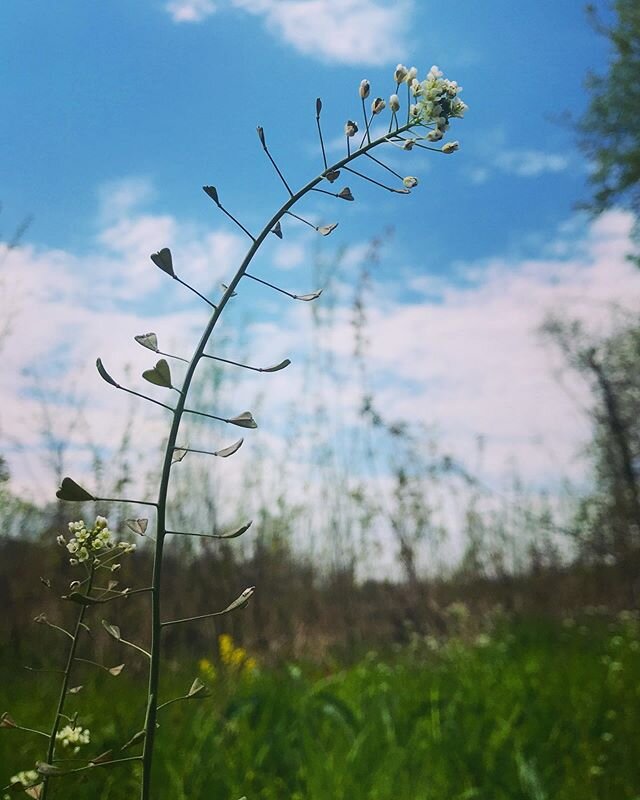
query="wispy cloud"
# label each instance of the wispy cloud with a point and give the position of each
(190, 10)
(366, 32)
(531, 163)
(521, 163)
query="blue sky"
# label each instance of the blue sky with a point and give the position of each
(116, 113)
(99, 91)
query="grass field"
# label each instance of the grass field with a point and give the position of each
(536, 710)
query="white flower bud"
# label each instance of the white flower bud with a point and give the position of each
(435, 135)
(350, 128)
(414, 110)
(378, 105)
(61, 541)
(394, 102)
(408, 145)
(450, 147)
(365, 88)
(400, 74)
(411, 75)
(410, 181)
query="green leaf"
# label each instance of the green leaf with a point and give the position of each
(234, 533)
(197, 689)
(148, 340)
(164, 261)
(104, 374)
(135, 739)
(160, 375)
(47, 769)
(112, 630)
(212, 192)
(103, 758)
(277, 367)
(70, 490)
(308, 297)
(82, 599)
(244, 420)
(229, 451)
(138, 526)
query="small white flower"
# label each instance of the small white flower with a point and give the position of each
(435, 135)
(83, 554)
(61, 540)
(411, 74)
(394, 103)
(101, 522)
(25, 778)
(72, 547)
(410, 181)
(365, 88)
(73, 736)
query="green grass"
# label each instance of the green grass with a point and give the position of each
(536, 712)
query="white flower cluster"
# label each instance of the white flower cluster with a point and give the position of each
(87, 541)
(73, 736)
(437, 102)
(27, 777)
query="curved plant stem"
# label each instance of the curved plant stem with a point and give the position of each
(179, 410)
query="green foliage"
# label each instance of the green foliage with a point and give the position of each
(608, 517)
(532, 712)
(610, 129)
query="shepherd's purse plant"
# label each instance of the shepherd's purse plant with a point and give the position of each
(93, 550)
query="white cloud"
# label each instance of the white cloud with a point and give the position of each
(530, 163)
(463, 356)
(367, 32)
(290, 255)
(343, 31)
(190, 10)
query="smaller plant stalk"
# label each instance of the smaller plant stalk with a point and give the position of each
(65, 686)
(178, 412)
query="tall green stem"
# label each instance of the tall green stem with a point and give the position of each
(154, 671)
(65, 686)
